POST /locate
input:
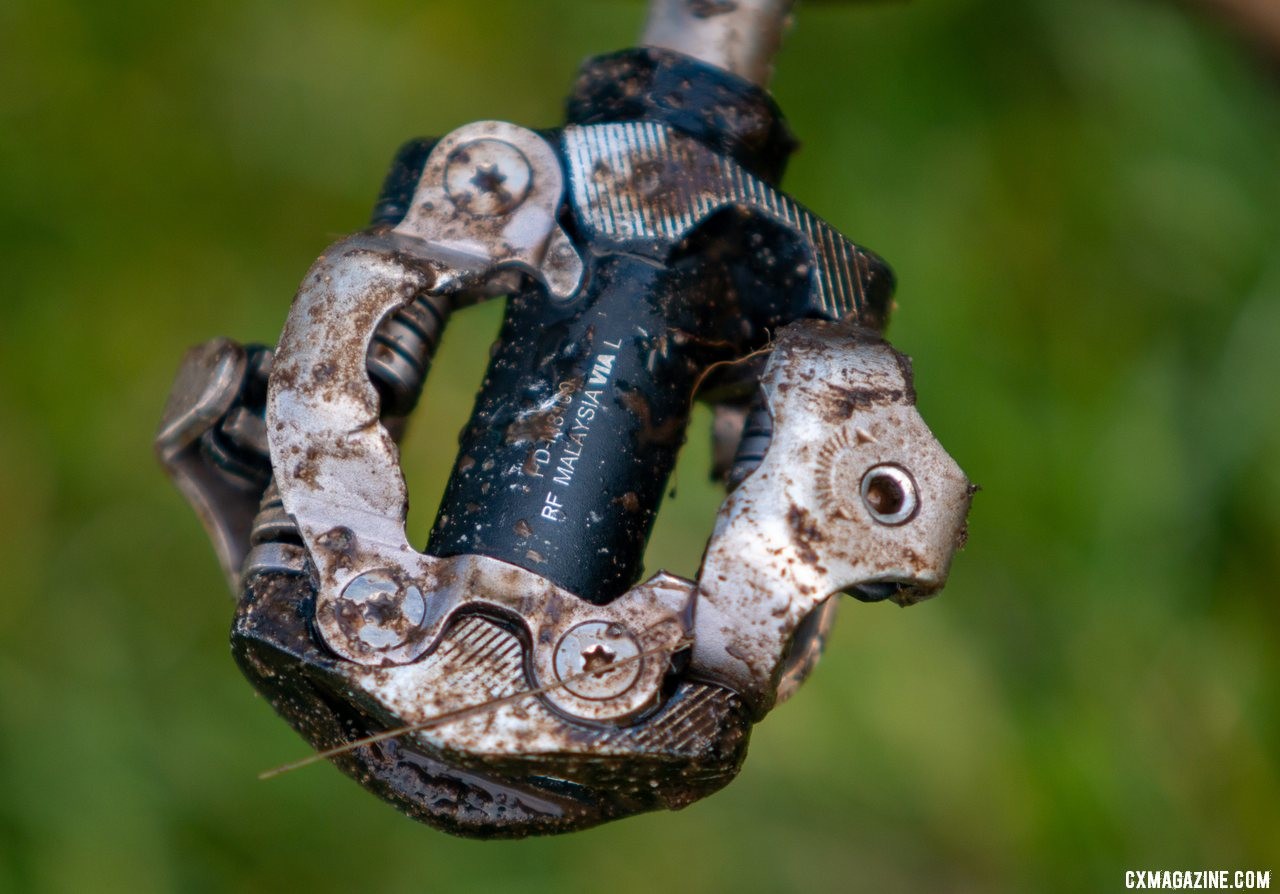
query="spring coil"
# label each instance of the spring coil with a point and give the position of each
(757, 433)
(401, 351)
(272, 524)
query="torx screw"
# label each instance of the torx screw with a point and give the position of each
(379, 612)
(597, 660)
(487, 177)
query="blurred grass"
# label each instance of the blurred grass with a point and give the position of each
(1081, 201)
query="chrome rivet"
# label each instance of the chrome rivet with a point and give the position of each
(889, 494)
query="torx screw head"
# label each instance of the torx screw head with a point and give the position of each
(487, 177)
(597, 660)
(378, 612)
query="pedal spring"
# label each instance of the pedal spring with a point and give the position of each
(401, 351)
(272, 524)
(757, 432)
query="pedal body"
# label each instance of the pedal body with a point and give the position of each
(515, 676)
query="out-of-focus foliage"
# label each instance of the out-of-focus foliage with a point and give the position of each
(1082, 200)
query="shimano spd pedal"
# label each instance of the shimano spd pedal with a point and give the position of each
(515, 676)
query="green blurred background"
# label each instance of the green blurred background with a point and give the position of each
(1082, 201)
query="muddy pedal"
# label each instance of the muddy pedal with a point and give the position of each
(515, 676)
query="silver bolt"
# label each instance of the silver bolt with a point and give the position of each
(378, 611)
(487, 177)
(597, 660)
(889, 494)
